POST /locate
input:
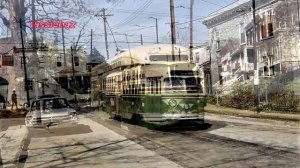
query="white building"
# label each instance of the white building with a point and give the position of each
(231, 39)
(201, 56)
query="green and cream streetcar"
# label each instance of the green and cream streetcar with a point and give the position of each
(156, 84)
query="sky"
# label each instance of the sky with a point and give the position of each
(136, 17)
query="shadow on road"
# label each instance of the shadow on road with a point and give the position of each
(59, 130)
(184, 126)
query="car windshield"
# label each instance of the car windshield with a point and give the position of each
(56, 103)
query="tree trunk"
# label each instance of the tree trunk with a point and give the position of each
(16, 11)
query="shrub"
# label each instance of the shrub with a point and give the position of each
(284, 100)
(240, 97)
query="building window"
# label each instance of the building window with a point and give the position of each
(89, 68)
(30, 84)
(249, 38)
(58, 61)
(218, 45)
(267, 29)
(242, 33)
(76, 61)
(8, 60)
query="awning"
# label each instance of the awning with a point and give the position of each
(3, 81)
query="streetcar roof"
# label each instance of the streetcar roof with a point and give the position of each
(142, 54)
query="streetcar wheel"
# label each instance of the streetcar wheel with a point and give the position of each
(137, 119)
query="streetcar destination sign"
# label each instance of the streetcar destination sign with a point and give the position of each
(54, 24)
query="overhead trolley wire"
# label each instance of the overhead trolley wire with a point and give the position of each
(134, 15)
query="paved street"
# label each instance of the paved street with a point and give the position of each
(98, 141)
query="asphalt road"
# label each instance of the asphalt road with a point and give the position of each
(196, 146)
(7, 122)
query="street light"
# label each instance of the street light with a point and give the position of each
(191, 26)
(156, 25)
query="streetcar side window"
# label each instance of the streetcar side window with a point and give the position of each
(169, 58)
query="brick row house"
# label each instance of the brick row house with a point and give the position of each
(232, 37)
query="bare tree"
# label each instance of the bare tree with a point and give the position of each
(13, 10)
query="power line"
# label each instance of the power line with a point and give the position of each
(211, 3)
(134, 15)
(135, 29)
(117, 48)
(149, 13)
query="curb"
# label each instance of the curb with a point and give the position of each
(17, 157)
(246, 113)
(18, 145)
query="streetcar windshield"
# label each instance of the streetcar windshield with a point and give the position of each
(182, 84)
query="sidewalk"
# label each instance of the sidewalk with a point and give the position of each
(276, 134)
(11, 143)
(247, 113)
(101, 147)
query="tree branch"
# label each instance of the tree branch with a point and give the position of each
(4, 20)
(82, 32)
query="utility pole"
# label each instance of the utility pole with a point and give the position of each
(73, 73)
(141, 39)
(24, 62)
(172, 27)
(91, 43)
(256, 69)
(156, 25)
(105, 31)
(191, 29)
(64, 50)
(172, 22)
(36, 66)
(298, 13)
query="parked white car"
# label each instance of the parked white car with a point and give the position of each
(50, 111)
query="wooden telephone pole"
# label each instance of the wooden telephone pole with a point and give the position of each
(191, 29)
(91, 43)
(172, 22)
(256, 68)
(172, 25)
(24, 62)
(105, 31)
